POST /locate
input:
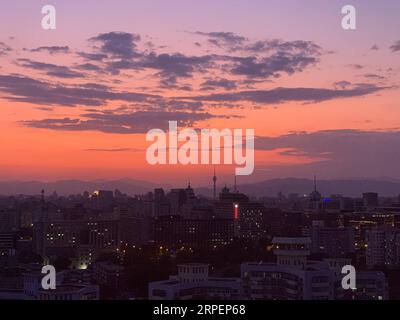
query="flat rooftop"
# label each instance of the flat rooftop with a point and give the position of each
(287, 240)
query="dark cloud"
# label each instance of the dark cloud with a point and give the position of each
(173, 66)
(272, 58)
(118, 51)
(172, 83)
(272, 66)
(355, 66)
(281, 95)
(52, 49)
(267, 58)
(4, 48)
(117, 44)
(223, 39)
(375, 47)
(374, 76)
(171, 105)
(115, 66)
(122, 123)
(114, 150)
(170, 68)
(352, 153)
(186, 87)
(276, 45)
(50, 69)
(26, 89)
(89, 67)
(279, 57)
(342, 84)
(92, 56)
(234, 42)
(212, 84)
(395, 47)
(122, 48)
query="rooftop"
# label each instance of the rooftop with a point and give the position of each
(287, 240)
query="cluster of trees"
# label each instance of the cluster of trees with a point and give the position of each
(146, 264)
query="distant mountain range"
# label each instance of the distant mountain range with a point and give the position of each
(350, 187)
(68, 187)
(353, 187)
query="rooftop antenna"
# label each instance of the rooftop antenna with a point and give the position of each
(215, 185)
(42, 196)
(315, 182)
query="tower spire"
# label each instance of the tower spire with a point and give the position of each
(42, 196)
(315, 182)
(215, 185)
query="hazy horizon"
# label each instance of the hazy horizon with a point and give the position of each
(302, 186)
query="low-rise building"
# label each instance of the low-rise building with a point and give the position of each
(193, 282)
(69, 292)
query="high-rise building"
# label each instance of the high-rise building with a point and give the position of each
(177, 231)
(252, 221)
(332, 241)
(370, 199)
(102, 198)
(9, 220)
(161, 206)
(383, 247)
(228, 202)
(40, 219)
(7, 243)
(315, 198)
(214, 186)
(177, 198)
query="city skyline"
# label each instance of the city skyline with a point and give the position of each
(177, 245)
(224, 153)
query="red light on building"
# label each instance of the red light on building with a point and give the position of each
(236, 212)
